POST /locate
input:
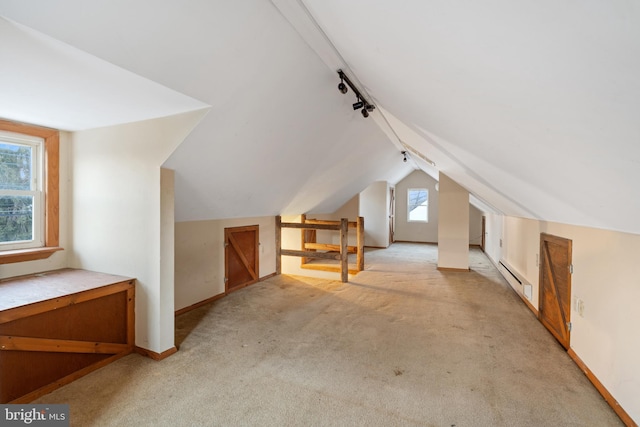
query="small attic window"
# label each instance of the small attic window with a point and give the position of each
(418, 205)
(21, 194)
(29, 192)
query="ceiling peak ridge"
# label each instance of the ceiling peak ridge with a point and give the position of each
(305, 24)
(302, 20)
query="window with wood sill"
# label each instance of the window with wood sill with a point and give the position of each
(29, 192)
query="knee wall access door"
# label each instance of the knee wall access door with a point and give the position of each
(555, 286)
(241, 264)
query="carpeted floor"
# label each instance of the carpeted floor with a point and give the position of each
(401, 344)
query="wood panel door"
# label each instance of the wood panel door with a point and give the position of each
(241, 261)
(554, 309)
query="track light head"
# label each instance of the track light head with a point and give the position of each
(361, 102)
(404, 153)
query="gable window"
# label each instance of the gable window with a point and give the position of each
(418, 205)
(29, 196)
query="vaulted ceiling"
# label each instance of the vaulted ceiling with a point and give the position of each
(532, 106)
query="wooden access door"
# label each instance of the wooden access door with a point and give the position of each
(554, 309)
(241, 261)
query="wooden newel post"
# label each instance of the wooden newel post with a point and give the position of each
(344, 254)
(278, 244)
(303, 238)
(360, 237)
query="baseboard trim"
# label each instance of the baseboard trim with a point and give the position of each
(199, 304)
(155, 356)
(626, 419)
(622, 414)
(526, 301)
(459, 270)
(414, 241)
(268, 276)
(214, 298)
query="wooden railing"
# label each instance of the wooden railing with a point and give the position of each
(310, 247)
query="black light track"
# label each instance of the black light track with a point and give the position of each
(366, 105)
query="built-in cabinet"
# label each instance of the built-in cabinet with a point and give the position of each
(60, 325)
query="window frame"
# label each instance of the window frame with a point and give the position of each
(409, 190)
(50, 187)
(35, 191)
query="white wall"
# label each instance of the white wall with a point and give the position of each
(607, 278)
(291, 240)
(116, 213)
(58, 259)
(475, 225)
(493, 236)
(374, 208)
(167, 249)
(350, 210)
(406, 231)
(199, 249)
(453, 225)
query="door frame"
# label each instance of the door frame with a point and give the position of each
(561, 332)
(483, 240)
(231, 243)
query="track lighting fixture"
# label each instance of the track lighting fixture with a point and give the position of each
(361, 102)
(342, 87)
(404, 153)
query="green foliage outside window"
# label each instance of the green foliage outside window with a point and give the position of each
(16, 211)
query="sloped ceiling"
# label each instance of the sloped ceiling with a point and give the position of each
(532, 106)
(278, 138)
(50, 83)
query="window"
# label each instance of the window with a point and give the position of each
(418, 205)
(21, 194)
(28, 192)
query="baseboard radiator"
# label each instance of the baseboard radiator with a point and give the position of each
(516, 280)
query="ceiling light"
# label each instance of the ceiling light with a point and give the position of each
(361, 102)
(404, 153)
(342, 87)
